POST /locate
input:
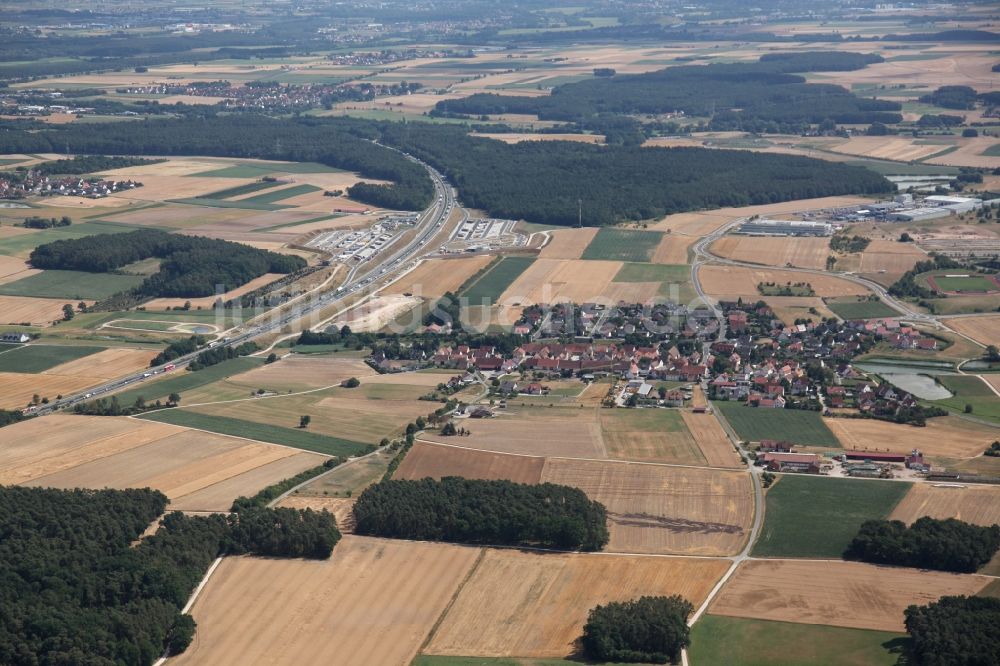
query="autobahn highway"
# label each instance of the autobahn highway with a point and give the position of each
(361, 277)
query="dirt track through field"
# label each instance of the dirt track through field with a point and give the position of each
(842, 594)
(372, 602)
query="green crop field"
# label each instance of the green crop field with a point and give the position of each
(24, 243)
(73, 285)
(281, 195)
(182, 380)
(493, 282)
(623, 245)
(992, 151)
(239, 190)
(809, 516)
(223, 203)
(743, 642)
(259, 170)
(970, 390)
(300, 439)
(794, 425)
(851, 307)
(39, 358)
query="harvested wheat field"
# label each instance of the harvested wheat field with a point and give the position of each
(375, 314)
(174, 166)
(372, 602)
(662, 509)
(434, 277)
(559, 431)
(106, 364)
(842, 594)
(14, 268)
(535, 605)
(673, 249)
(901, 149)
(984, 330)
(711, 439)
(946, 436)
(973, 504)
(890, 257)
(556, 280)
(568, 243)
(692, 224)
(196, 470)
(705, 222)
(777, 251)
(302, 372)
(970, 153)
(732, 282)
(17, 388)
(437, 461)
(157, 187)
(33, 311)
(426, 379)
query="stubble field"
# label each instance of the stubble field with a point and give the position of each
(946, 436)
(372, 602)
(568, 243)
(984, 330)
(296, 372)
(841, 594)
(732, 282)
(973, 504)
(777, 251)
(535, 605)
(32, 311)
(434, 277)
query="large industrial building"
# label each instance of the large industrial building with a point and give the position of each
(919, 214)
(786, 228)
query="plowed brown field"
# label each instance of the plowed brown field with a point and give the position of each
(842, 594)
(535, 605)
(661, 509)
(973, 504)
(437, 461)
(372, 602)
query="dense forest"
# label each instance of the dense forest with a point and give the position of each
(945, 545)
(83, 164)
(338, 143)
(76, 591)
(648, 629)
(484, 512)
(192, 266)
(955, 631)
(544, 181)
(767, 95)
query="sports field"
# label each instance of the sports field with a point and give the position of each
(955, 283)
(734, 641)
(841, 594)
(40, 357)
(808, 516)
(496, 280)
(75, 285)
(623, 245)
(793, 425)
(372, 602)
(299, 439)
(853, 307)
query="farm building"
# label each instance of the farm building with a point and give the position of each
(786, 228)
(802, 463)
(956, 204)
(15, 338)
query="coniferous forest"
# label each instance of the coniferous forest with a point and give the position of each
(76, 590)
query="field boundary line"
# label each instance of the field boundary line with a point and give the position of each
(346, 463)
(607, 460)
(451, 602)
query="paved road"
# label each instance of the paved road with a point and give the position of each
(360, 278)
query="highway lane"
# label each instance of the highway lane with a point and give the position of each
(360, 277)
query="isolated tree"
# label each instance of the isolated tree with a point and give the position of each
(81, 306)
(449, 429)
(174, 399)
(353, 382)
(992, 353)
(271, 358)
(68, 313)
(304, 421)
(905, 238)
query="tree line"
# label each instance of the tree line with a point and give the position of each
(944, 545)
(75, 591)
(736, 96)
(84, 164)
(484, 512)
(192, 266)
